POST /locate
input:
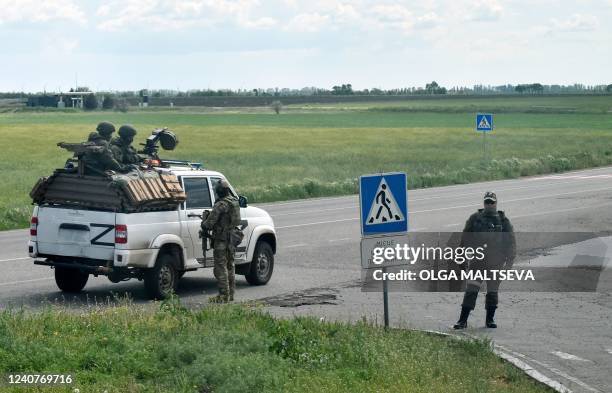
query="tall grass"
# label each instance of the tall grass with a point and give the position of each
(128, 348)
(301, 155)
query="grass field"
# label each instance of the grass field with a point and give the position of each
(312, 150)
(126, 348)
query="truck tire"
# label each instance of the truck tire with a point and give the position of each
(161, 280)
(70, 280)
(262, 265)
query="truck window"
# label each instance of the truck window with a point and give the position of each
(198, 193)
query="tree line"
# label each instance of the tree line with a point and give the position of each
(432, 88)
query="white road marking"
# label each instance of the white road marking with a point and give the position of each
(609, 350)
(14, 259)
(474, 193)
(24, 281)
(317, 223)
(450, 225)
(553, 370)
(472, 205)
(340, 240)
(296, 245)
(569, 356)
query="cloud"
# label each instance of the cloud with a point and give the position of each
(576, 23)
(484, 11)
(40, 11)
(308, 22)
(159, 15)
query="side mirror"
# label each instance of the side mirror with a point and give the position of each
(243, 201)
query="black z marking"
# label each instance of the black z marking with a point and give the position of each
(109, 228)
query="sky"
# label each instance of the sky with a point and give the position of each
(244, 44)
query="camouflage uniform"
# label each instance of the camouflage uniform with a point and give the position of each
(495, 230)
(98, 162)
(122, 148)
(224, 216)
(491, 227)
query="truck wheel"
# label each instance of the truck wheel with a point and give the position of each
(161, 281)
(262, 265)
(70, 280)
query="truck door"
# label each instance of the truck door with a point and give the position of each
(199, 199)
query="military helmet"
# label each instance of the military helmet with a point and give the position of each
(222, 187)
(126, 131)
(105, 128)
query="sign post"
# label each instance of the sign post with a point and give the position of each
(383, 205)
(484, 124)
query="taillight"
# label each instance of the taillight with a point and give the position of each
(34, 226)
(121, 234)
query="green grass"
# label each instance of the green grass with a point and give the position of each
(319, 152)
(127, 348)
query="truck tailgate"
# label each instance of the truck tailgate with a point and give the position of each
(76, 233)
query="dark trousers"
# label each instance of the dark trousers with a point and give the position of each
(471, 293)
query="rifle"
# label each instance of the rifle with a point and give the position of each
(81, 148)
(205, 235)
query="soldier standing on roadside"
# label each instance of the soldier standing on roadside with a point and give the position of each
(491, 227)
(122, 148)
(224, 216)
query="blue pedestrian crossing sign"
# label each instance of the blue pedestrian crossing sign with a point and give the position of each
(383, 202)
(484, 122)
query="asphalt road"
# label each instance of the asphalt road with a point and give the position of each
(562, 336)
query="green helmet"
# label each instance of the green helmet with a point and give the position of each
(222, 188)
(105, 128)
(127, 131)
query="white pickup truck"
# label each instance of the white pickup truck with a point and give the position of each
(157, 246)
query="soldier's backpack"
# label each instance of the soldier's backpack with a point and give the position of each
(235, 233)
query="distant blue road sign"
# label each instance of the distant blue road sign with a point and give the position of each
(484, 122)
(383, 202)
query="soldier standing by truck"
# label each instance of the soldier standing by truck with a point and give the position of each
(223, 220)
(122, 148)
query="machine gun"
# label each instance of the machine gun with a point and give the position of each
(164, 136)
(79, 150)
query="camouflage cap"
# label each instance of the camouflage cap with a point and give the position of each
(490, 196)
(127, 130)
(105, 128)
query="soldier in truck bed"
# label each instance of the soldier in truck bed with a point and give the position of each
(122, 148)
(102, 160)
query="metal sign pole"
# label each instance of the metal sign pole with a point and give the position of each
(385, 299)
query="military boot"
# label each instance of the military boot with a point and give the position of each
(218, 299)
(490, 321)
(462, 322)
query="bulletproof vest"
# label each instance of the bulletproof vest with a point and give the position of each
(228, 220)
(488, 223)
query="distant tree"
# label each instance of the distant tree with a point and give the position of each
(277, 106)
(108, 102)
(90, 102)
(520, 89)
(343, 90)
(432, 87)
(609, 88)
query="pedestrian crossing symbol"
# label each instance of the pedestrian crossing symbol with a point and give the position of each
(384, 207)
(383, 201)
(484, 122)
